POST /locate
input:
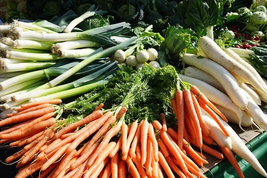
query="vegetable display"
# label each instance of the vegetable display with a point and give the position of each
(106, 93)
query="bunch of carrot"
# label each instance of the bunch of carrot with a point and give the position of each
(103, 145)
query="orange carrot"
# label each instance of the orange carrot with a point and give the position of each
(180, 116)
(231, 158)
(173, 150)
(100, 106)
(33, 108)
(163, 148)
(191, 111)
(106, 173)
(175, 168)
(199, 115)
(122, 171)
(155, 168)
(34, 129)
(30, 139)
(135, 139)
(208, 139)
(15, 127)
(132, 130)
(92, 127)
(215, 117)
(107, 137)
(55, 156)
(99, 158)
(93, 116)
(132, 168)
(206, 101)
(116, 148)
(28, 105)
(165, 165)
(164, 122)
(153, 139)
(122, 111)
(148, 163)
(15, 156)
(26, 116)
(100, 167)
(124, 134)
(63, 164)
(157, 125)
(115, 166)
(81, 159)
(138, 152)
(143, 140)
(139, 167)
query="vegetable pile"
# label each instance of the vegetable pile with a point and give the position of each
(125, 99)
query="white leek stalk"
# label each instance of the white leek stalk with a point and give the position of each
(31, 44)
(5, 28)
(31, 56)
(7, 41)
(30, 26)
(25, 66)
(75, 53)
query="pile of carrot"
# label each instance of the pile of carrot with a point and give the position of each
(103, 145)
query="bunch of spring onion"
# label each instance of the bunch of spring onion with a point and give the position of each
(38, 61)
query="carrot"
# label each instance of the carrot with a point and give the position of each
(33, 108)
(132, 130)
(15, 127)
(31, 128)
(191, 111)
(231, 158)
(180, 116)
(26, 116)
(115, 166)
(34, 129)
(163, 148)
(30, 154)
(122, 171)
(100, 106)
(55, 156)
(199, 115)
(107, 137)
(173, 150)
(138, 152)
(143, 140)
(197, 173)
(81, 159)
(153, 139)
(63, 164)
(77, 171)
(215, 117)
(100, 167)
(165, 165)
(211, 151)
(132, 168)
(124, 135)
(174, 107)
(106, 172)
(93, 116)
(122, 111)
(208, 139)
(30, 139)
(116, 148)
(148, 163)
(97, 161)
(139, 167)
(30, 169)
(92, 127)
(135, 139)
(164, 122)
(157, 125)
(205, 100)
(155, 168)
(189, 131)
(48, 172)
(15, 156)
(28, 105)
(175, 168)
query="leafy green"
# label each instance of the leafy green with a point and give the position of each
(146, 93)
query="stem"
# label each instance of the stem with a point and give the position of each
(32, 44)
(74, 53)
(5, 28)
(31, 26)
(28, 56)
(73, 45)
(25, 66)
(78, 20)
(71, 92)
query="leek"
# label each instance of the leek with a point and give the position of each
(31, 44)
(30, 56)
(74, 53)
(56, 37)
(30, 26)
(25, 66)
(5, 28)
(105, 53)
(7, 41)
(78, 20)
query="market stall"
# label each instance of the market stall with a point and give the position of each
(136, 89)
